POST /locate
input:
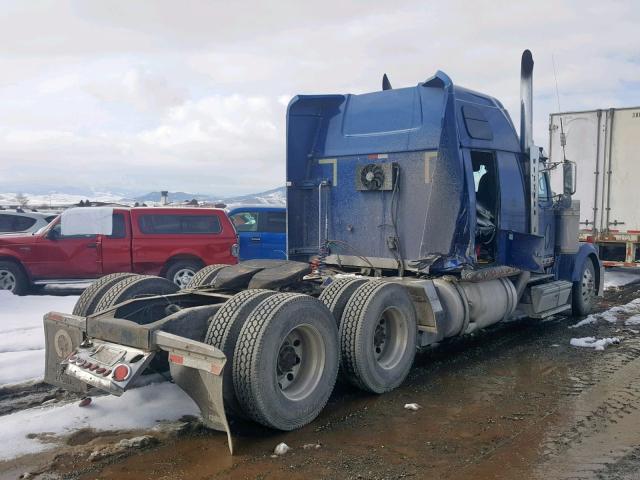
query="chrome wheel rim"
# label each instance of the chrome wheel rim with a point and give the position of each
(300, 362)
(7, 280)
(588, 286)
(390, 338)
(183, 277)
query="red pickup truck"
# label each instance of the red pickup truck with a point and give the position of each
(171, 242)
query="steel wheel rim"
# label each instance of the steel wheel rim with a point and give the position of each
(7, 280)
(390, 338)
(588, 286)
(183, 277)
(300, 362)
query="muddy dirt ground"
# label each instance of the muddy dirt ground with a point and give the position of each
(516, 401)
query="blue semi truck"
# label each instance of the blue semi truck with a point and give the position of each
(414, 215)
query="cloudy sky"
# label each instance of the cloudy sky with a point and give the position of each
(190, 95)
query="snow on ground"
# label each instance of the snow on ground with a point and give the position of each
(140, 408)
(613, 314)
(592, 342)
(22, 360)
(617, 277)
(22, 334)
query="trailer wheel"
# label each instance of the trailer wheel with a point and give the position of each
(133, 287)
(378, 336)
(286, 361)
(91, 295)
(336, 295)
(584, 290)
(223, 332)
(206, 275)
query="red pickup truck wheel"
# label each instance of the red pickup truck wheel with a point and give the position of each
(182, 272)
(12, 278)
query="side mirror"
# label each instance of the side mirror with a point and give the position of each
(53, 234)
(569, 174)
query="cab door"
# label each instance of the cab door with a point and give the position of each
(115, 249)
(546, 218)
(247, 224)
(60, 256)
(273, 232)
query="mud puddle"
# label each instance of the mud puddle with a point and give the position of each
(514, 402)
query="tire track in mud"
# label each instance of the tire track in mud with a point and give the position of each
(603, 423)
(594, 432)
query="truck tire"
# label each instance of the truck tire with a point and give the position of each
(583, 292)
(336, 295)
(13, 278)
(91, 295)
(206, 275)
(133, 287)
(378, 336)
(181, 272)
(297, 334)
(223, 332)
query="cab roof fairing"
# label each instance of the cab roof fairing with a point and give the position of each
(427, 117)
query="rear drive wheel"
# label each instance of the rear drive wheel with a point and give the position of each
(286, 361)
(91, 295)
(336, 295)
(378, 336)
(206, 275)
(584, 290)
(134, 287)
(223, 332)
(181, 272)
(13, 278)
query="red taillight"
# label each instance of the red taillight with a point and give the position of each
(235, 250)
(121, 373)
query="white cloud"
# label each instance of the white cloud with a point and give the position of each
(193, 96)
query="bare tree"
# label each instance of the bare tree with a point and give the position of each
(22, 200)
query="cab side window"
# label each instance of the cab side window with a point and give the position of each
(245, 221)
(57, 233)
(275, 222)
(118, 230)
(544, 194)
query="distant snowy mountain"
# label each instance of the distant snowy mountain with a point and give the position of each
(57, 198)
(276, 196)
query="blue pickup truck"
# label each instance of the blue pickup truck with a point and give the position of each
(262, 231)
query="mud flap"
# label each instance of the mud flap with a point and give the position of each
(197, 369)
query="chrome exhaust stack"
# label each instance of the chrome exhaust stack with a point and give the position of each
(526, 101)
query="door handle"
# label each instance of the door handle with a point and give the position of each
(92, 245)
(255, 239)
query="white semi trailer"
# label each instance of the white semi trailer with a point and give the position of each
(605, 145)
